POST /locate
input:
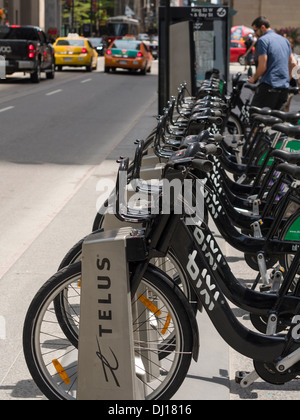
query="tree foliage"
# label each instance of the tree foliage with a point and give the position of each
(292, 33)
(83, 10)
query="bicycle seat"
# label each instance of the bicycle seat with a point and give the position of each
(250, 87)
(290, 131)
(261, 111)
(288, 157)
(291, 117)
(242, 83)
(291, 170)
(267, 120)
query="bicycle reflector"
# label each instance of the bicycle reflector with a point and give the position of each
(150, 305)
(61, 371)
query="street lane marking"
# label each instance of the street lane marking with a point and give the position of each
(2, 328)
(6, 109)
(85, 81)
(54, 92)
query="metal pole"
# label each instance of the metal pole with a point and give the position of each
(167, 51)
(91, 28)
(72, 21)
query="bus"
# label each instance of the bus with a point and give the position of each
(119, 26)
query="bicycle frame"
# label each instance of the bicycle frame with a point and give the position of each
(249, 245)
(210, 276)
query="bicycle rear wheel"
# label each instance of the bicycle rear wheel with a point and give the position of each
(51, 356)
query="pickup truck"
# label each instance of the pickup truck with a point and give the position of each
(27, 50)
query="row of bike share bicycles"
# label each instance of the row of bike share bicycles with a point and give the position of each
(244, 178)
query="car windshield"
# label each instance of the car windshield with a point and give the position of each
(96, 41)
(70, 42)
(126, 45)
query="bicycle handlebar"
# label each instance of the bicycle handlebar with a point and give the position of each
(211, 149)
(202, 165)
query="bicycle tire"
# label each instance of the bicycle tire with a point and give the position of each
(39, 354)
(169, 265)
(234, 125)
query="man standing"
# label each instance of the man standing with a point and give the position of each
(275, 65)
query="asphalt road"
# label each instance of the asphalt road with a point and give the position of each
(52, 135)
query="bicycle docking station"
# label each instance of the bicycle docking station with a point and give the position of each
(106, 360)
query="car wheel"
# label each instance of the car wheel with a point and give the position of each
(51, 74)
(241, 60)
(36, 76)
(144, 71)
(89, 68)
(106, 69)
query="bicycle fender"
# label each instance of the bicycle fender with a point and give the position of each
(193, 322)
(188, 308)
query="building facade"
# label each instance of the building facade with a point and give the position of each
(43, 13)
(47, 13)
(282, 14)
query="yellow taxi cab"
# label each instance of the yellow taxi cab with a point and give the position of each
(75, 51)
(128, 54)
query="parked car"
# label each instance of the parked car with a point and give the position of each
(26, 49)
(98, 44)
(237, 50)
(128, 54)
(75, 51)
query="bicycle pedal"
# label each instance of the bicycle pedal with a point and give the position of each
(245, 379)
(240, 375)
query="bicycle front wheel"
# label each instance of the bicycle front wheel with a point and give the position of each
(51, 355)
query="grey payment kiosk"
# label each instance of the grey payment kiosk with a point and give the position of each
(193, 41)
(106, 359)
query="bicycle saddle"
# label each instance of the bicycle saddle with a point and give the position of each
(291, 170)
(288, 157)
(267, 120)
(291, 117)
(250, 87)
(261, 111)
(290, 131)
